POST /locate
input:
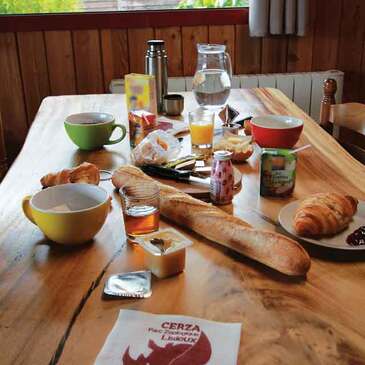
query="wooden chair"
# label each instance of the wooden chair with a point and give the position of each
(3, 159)
(345, 121)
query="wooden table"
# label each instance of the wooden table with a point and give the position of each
(51, 309)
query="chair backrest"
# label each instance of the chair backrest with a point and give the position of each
(3, 159)
(349, 115)
(346, 121)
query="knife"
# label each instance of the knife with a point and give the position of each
(178, 175)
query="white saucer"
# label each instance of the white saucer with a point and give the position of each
(338, 241)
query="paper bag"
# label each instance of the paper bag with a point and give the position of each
(140, 338)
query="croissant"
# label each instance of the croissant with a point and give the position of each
(324, 214)
(86, 173)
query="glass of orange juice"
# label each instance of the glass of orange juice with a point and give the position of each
(201, 123)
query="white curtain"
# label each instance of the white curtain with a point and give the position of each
(278, 17)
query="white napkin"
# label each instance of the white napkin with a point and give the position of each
(140, 338)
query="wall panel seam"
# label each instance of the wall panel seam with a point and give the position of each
(46, 58)
(74, 61)
(22, 79)
(101, 60)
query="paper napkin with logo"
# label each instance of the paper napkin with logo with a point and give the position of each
(140, 338)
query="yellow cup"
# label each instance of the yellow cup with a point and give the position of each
(68, 214)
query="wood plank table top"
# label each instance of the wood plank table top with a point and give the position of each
(51, 310)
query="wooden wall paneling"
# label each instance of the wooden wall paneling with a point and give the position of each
(248, 52)
(274, 54)
(61, 64)
(326, 35)
(350, 46)
(34, 70)
(137, 45)
(3, 158)
(87, 51)
(361, 94)
(224, 34)
(114, 45)
(173, 45)
(191, 36)
(12, 103)
(300, 48)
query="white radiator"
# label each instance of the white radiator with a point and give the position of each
(305, 89)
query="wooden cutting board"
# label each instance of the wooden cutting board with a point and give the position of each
(200, 191)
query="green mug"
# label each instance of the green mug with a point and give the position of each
(91, 131)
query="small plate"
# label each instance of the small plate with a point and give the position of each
(286, 217)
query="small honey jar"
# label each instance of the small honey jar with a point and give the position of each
(140, 203)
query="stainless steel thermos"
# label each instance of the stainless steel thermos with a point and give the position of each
(156, 65)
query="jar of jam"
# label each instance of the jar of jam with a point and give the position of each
(221, 179)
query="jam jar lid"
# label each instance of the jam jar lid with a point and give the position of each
(222, 155)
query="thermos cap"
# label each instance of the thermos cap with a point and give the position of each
(156, 47)
(156, 42)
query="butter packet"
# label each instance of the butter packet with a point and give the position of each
(129, 285)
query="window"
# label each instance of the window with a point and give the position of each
(65, 6)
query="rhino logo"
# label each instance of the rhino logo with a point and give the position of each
(180, 354)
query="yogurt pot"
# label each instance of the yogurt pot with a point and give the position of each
(164, 252)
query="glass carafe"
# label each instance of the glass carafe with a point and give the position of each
(213, 76)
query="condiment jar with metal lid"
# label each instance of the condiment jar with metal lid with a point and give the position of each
(156, 65)
(221, 179)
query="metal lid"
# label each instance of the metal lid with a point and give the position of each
(156, 42)
(156, 47)
(222, 155)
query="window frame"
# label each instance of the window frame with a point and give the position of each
(123, 19)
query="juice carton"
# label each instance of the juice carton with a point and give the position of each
(141, 92)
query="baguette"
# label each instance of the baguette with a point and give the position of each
(269, 248)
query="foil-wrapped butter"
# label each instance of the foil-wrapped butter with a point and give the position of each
(129, 285)
(228, 115)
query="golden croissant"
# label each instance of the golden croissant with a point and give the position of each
(86, 173)
(324, 214)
